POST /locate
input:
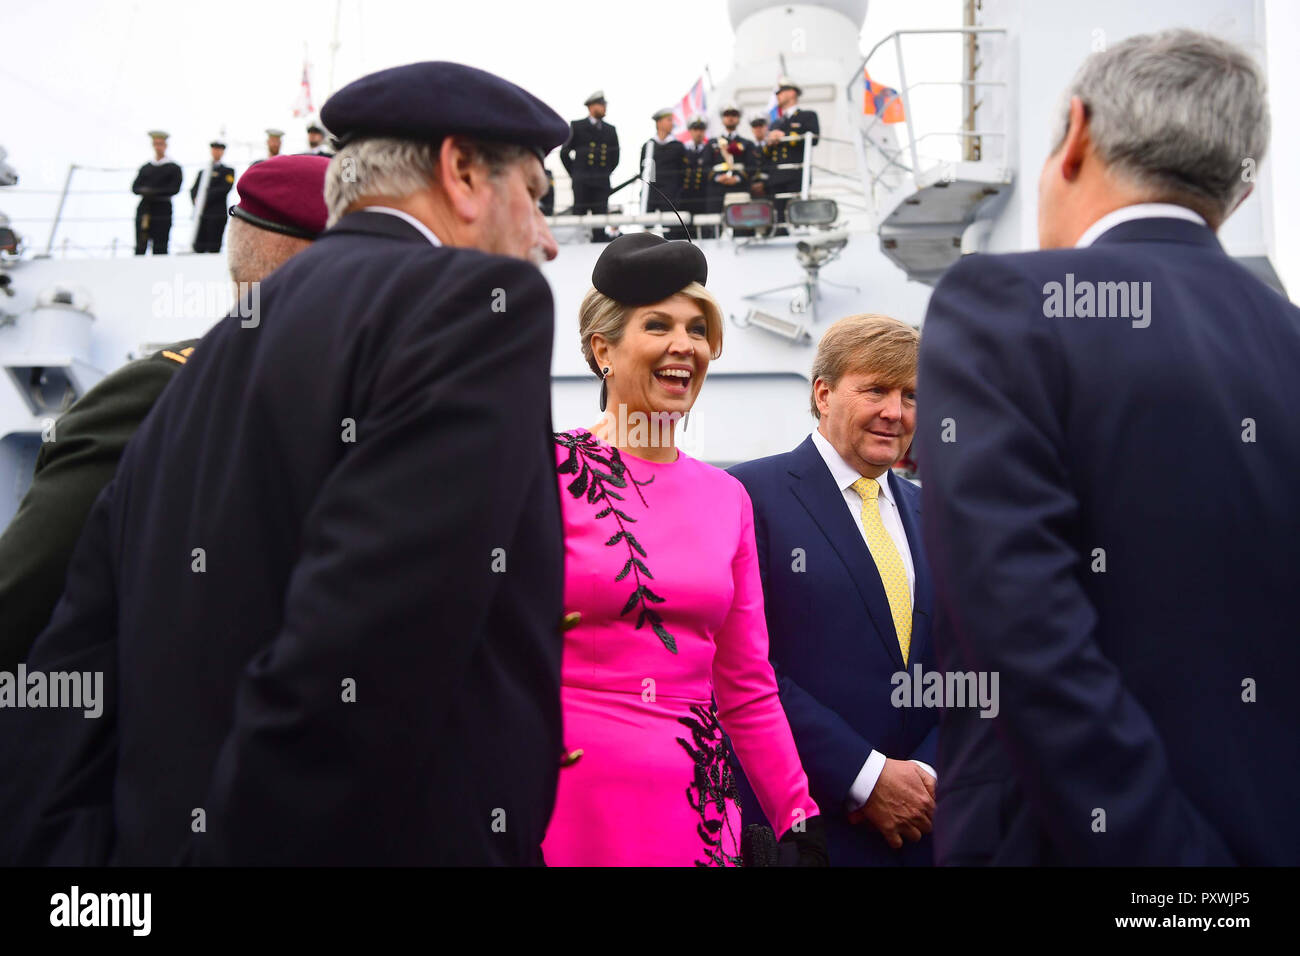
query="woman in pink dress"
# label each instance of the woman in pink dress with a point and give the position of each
(661, 575)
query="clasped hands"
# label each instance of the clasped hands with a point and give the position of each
(901, 806)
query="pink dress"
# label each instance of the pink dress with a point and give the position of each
(660, 562)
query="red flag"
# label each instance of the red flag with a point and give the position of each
(694, 102)
(302, 105)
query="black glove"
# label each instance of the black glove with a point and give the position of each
(810, 845)
(759, 846)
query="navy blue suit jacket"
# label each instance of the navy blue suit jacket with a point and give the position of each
(293, 585)
(833, 643)
(1113, 521)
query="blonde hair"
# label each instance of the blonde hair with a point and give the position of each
(608, 317)
(874, 344)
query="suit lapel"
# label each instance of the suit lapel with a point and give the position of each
(909, 509)
(816, 491)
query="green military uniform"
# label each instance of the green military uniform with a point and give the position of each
(70, 472)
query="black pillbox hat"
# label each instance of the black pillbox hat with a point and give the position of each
(641, 268)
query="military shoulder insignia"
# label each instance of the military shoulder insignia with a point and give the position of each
(181, 357)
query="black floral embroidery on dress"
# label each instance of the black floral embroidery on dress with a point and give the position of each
(714, 784)
(600, 469)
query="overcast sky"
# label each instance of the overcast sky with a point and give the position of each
(83, 80)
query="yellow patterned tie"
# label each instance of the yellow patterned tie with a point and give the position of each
(893, 573)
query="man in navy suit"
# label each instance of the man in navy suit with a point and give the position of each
(847, 595)
(1109, 458)
(325, 585)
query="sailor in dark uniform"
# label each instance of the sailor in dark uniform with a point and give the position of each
(156, 183)
(274, 138)
(316, 145)
(788, 140)
(661, 166)
(760, 159)
(212, 220)
(731, 172)
(547, 202)
(326, 582)
(590, 155)
(697, 170)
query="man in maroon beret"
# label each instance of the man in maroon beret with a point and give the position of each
(281, 210)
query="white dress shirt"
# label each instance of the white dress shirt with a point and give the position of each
(1142, 210)
(424, 230)
(844, 475)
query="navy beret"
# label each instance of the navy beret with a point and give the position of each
(640, 268)
(427, 101)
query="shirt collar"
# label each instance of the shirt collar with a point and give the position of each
(1142, 210)
(843, 475)
(424, 230)
(161, 162)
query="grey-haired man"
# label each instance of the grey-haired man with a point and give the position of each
(1109, 455)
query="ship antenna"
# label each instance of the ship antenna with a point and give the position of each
(686, 229)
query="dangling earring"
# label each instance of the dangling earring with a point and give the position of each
(604, 388)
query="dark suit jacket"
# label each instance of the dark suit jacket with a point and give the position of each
(71, 471)
(799, 123)
(156, 184)
(219, 186)
(326, 583)
(590, 153)
(1169, 452)
(667, 159)
(833, 643)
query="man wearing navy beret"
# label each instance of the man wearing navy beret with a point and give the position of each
(330, 564)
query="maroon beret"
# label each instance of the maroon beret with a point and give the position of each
(284, 194)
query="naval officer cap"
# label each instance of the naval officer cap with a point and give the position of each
(698, 122)
(657, 115)
(785, 83)
(217, 144)
(158, 134)
(427, 101)
(640, 268)
(597, 97)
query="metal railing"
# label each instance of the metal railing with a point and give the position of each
(56, 244)
(858, 81)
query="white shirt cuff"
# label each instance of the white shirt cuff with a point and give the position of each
(926, 767)
(865, 782)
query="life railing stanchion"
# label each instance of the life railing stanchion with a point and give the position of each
(63, 198)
